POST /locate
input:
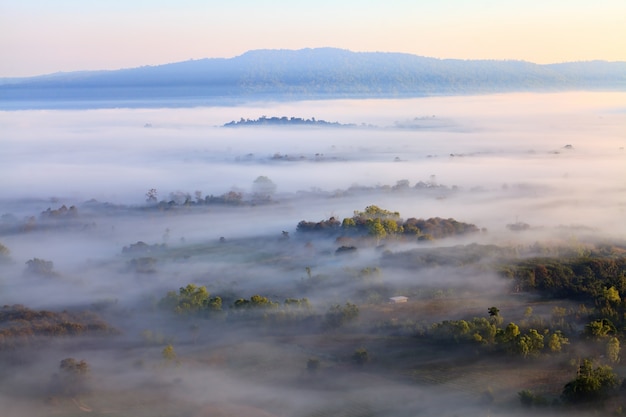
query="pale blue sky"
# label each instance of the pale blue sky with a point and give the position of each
(45, 36)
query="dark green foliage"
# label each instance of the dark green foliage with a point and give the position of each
(312, 365)
(142, 248)
(73, 377)
(380, 224)
(478, 330)
(71, 366)
(598, 279)
(283, 121)
(345, 250)
(256, 301)
(459, 255)
(233, 198)
(530, 344)
(298, 303)
(591, 386)
(40, 267)
(360, 356)
(339, 315)
(152, 195)
(600, 328)
(190, 300)
(580, 278)
(143, 265)
(529, 399)
(486, 332)
(329, 225)
(61, 213)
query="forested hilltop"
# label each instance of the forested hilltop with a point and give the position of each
(310, 73)
(284, 121)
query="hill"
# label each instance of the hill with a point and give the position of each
(310, 74)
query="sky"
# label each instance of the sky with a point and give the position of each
(41, 36)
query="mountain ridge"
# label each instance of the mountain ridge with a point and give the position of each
(313, 73)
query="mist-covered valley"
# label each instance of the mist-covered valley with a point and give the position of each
(434, 256)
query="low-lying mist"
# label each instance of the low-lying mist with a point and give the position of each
(106, 211)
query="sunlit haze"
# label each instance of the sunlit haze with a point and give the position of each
(297, 218)
(40, 37)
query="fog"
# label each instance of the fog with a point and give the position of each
(555, 163)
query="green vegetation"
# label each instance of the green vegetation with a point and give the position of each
(21, 327)
(382, 224)
(40, 267)
(191, 299)
(73, 377)
(339, 315)
(470, 314)
(5, 254)
(360, 356)
(168, 353)
(284, 121)
(529, 399)
(592, 385)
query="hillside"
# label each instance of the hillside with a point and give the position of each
(310, 74)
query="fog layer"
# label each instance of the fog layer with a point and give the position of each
(109, 210)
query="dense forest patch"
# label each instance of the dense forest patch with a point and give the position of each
(21, 326)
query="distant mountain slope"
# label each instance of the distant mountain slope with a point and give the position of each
(314, 73)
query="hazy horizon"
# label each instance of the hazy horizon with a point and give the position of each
(64, 36)
(164, 63)
(541, 141)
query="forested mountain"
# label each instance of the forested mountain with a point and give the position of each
(315, 73)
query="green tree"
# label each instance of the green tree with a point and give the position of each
(190, 300)
(360, 356)
(510, 333)
(528, 312)
(484, 331)
(536, 341)
(591, 385)
(375, 212)
(494, 315)
(256, 301)
(529, 344)
(5, 254)
(611, 295)
(529, 399)
(613, 350)
(312, 365)
(348, 224)
(376, 229)
(339, 315)
(168, 353)
(556, 342)
(151, 195)
(263, 188)
(600, 328)
(73, 378)
(391, 226)
(40, 267)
